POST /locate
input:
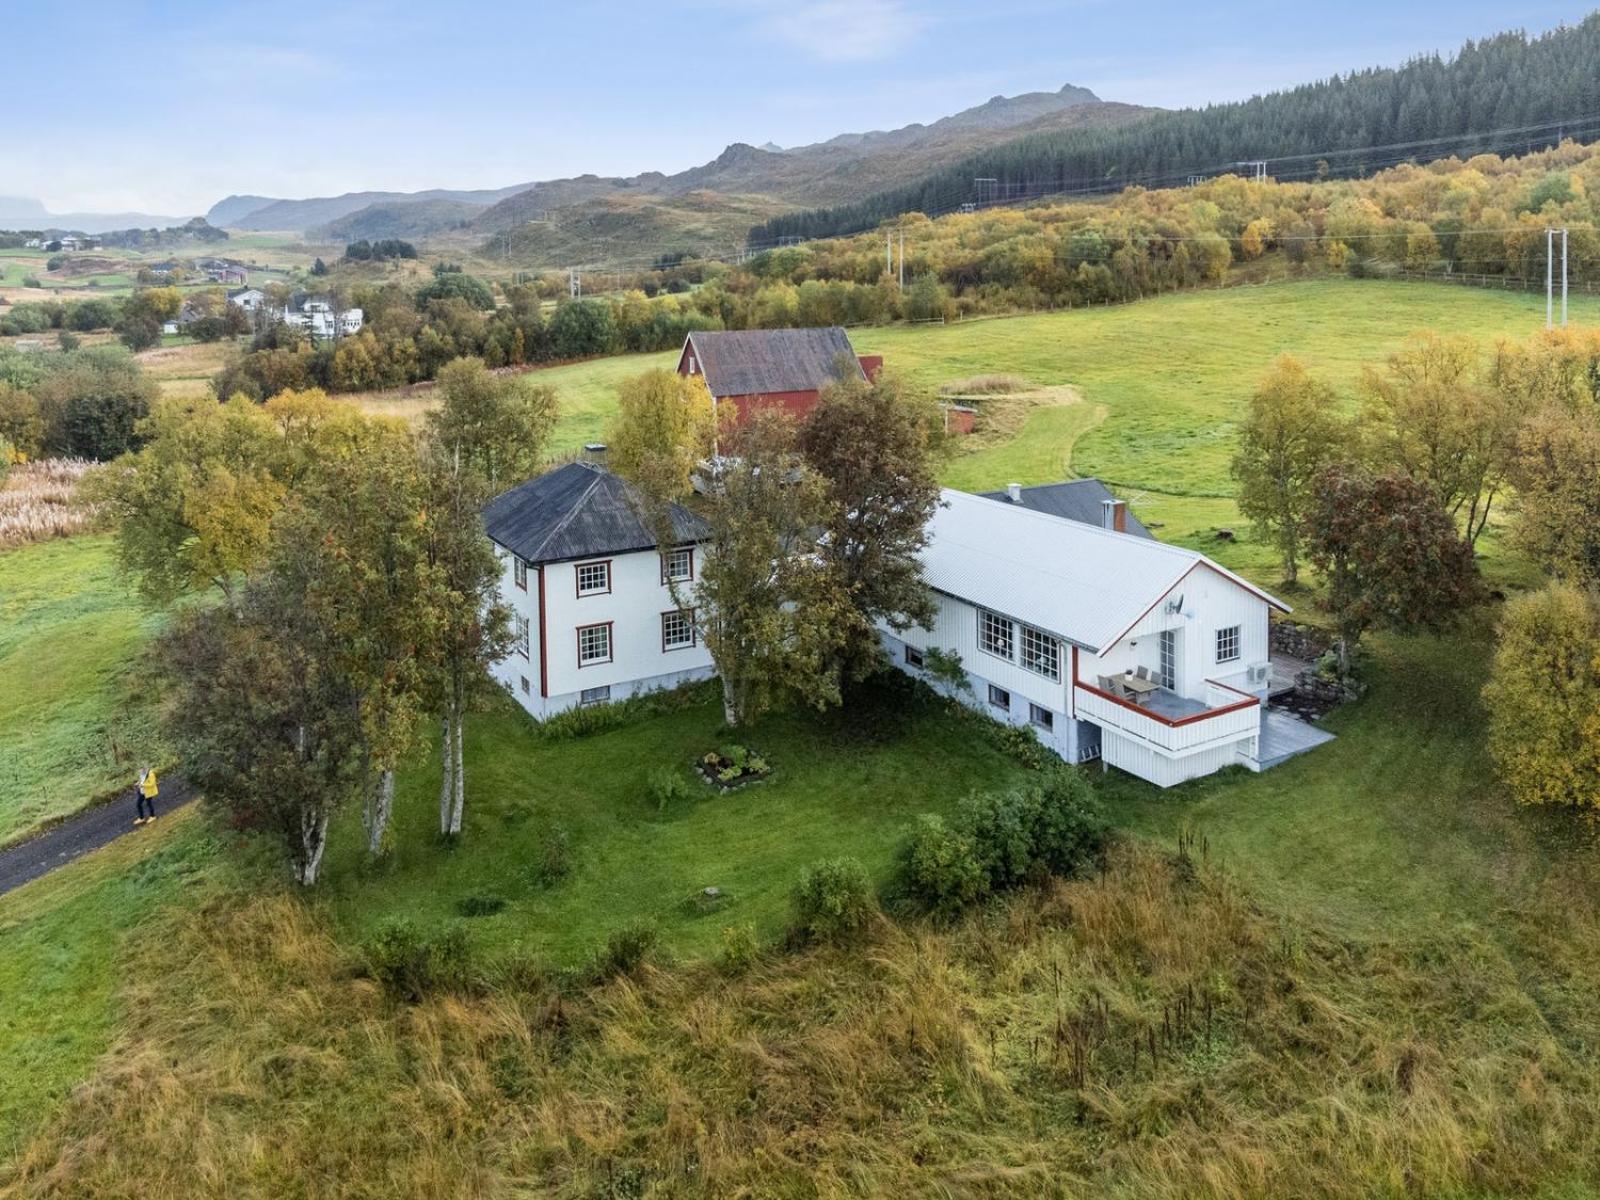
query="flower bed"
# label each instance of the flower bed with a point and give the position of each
(728, 767)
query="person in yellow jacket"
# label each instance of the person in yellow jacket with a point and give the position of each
(148, 791)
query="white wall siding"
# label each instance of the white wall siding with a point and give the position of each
(632, 608)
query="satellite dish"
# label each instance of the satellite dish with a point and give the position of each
(1175, 605)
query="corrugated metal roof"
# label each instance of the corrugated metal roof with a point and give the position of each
(580, 510)
(749, 362)
(1084, 584)
(1074, 500)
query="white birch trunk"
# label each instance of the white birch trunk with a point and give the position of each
(447, 775)
(313, 840)
(382, 807)
(460, 776)
(730, 704)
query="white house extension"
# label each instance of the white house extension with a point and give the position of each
(1111, 644)
(593, 613)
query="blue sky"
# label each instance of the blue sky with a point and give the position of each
(167, 107)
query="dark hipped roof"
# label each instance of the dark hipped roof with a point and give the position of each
(748, 362)
(578, 511)
(1076, 500)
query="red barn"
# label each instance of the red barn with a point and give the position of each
(773, 368)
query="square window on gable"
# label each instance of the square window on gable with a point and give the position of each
(1228, 644)
(594, 578)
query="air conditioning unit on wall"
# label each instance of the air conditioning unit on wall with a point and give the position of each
(1260, 673)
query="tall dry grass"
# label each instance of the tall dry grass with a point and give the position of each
(1150, 1033)
(39, 501)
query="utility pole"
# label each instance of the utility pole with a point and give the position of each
(1550, 277)
(888, 252)
(574, 284)
(902, 260)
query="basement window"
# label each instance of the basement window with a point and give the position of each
(1000, 698)
(913, 657)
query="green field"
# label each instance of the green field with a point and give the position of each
(71, 636)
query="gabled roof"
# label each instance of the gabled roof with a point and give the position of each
(1084, 584)
(1074, 500)
(580, 510)
(748, 362)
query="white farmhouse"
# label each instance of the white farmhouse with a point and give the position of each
(1111, 644)
(593, 613)
(249, 299)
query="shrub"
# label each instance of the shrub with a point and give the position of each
(1002, 839)
(409, 964)
(669, 788)
(555, 856)
(624, 951)
(940, 867)
(740, 949)
(833, 900)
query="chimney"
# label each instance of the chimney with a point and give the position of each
(1114, 515)
(595, 452)
(1014, 490)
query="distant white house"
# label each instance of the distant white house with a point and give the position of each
(250, 299)
(321, 319)
(1112, 645)
(593, 614)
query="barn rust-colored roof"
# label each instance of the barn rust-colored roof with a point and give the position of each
(578, 511)
(749, 362)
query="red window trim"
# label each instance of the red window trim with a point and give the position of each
(577, 587)
(694, 632)
(611, 644)
(687, 579)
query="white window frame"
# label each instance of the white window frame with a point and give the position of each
(519, 572)
(604, 566)
(999, 697)
(667, 559)
(595, 695)
(692, 638)
(524, 640)
(1230, 643)
(989, 626)
(593, 660)
(1045, 657)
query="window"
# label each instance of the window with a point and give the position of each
(595, 695)
(677, 629)
(913, 657)
(1042, 717)
(519, 572)
(677, 564)
(525, 688)
(1167, 672)
(1000, 698)
(1041, 653)
(997, 635)
(594, 578)
(522, 636)
(594, 644)
(1228, 644)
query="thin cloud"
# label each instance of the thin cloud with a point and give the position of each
(843, 31)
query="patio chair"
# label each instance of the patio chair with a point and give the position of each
(1107, 684)
(1142, 672)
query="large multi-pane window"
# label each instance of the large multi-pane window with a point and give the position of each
(522, 637)
(594, 578)
(1167, 671)
(677, 565)
(594, 644)
(1228, 644)
(997, 635)
(677, 629)
(1041, 653)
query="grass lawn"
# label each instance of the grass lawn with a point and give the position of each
(71, 633)
(830, 795)
(60, 938)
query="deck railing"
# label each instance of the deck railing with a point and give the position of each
(1229, 714)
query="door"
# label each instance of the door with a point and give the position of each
(1168, 676)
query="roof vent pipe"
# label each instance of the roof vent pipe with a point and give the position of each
(1014, 490)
